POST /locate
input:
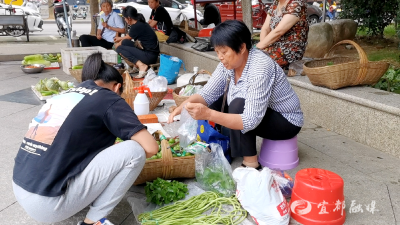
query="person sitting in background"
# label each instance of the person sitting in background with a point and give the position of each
(68, 159)
(142, 54)
(160, 20)
(211, 14)
(284, 33)
(110, 24)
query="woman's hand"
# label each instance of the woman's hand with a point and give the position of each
(117, 44)
(174, 113)
(98, 36)
(117, 39)
(198, 111)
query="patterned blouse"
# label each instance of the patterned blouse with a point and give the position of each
(291, 46)
(263, 85)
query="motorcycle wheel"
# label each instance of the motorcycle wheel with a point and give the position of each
(74, 17)
(84, 18)
(15, 33)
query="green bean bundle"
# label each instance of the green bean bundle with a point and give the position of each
(191, 211)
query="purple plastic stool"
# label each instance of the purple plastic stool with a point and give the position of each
(282, 155)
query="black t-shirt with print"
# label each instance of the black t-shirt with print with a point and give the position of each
(67, 133)
(145, 34)
(164, 22)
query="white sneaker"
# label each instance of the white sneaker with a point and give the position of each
(103, 221)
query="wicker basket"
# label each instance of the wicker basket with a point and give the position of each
(129, 93)
(167, 167)
(345, 71)
(77, 73)
(180, 99)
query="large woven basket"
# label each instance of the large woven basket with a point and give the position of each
(77, 73)
(180, 99)
(345, 71)
(167, 167)
(129, 93)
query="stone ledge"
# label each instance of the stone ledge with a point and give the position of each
(366, 115)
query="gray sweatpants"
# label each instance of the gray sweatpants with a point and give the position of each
(101, 185)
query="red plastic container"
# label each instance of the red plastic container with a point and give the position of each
(317, 198)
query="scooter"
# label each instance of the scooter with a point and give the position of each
(77, 14)
(60, 18)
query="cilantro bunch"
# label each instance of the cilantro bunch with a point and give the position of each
(165, 191)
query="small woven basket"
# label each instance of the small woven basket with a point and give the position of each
(129, 93)
(167, 167)
(180, 99)
(77, 73)
(345, 71)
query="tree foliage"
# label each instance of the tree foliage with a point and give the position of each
(372, 15)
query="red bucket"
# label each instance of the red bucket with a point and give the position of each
(317, 198)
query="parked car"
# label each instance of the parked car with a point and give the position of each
(34, 19)
(173, 7)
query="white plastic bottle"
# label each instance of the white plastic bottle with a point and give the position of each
(141, 104)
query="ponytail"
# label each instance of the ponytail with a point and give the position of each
(95, 69)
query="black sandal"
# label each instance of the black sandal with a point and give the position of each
(258, 168)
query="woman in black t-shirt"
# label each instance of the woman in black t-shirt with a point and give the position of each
(145, 50)
(160, 20)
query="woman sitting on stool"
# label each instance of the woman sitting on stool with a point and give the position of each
(145, 50)
(112, 23)
(260, 101)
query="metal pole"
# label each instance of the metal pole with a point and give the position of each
(68, 22)
(324, 11)
(195, 14)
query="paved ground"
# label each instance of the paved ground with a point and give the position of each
(369, 175)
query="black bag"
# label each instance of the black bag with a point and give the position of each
(203, 44)
(176, 36)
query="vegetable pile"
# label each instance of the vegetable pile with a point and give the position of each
(216, 180)
(191, 211)
(45, 59)
(165, 191)
(190, 90)
(175, 147)
(52, 86)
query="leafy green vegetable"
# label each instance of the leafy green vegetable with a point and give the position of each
(390, 81)
(52, 84)
(165, 191)
(330, 64)
(33, 57)
(216, 180)
(63, 84)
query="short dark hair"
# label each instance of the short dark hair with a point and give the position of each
(95, 69)
(231, 33)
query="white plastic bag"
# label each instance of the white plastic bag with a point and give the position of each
(259, 194)
(158, 84)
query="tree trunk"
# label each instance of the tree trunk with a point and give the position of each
(94, 9)
(51, 9)
(247, 14)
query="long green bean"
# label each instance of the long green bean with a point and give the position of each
(191, 211)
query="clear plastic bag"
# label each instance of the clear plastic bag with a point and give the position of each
(190, 90)
(284, 181)
(188, 129)
(150, 76)
(213, 171)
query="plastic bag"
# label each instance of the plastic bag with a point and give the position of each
(213, 172)
(188, 129)
(169, 67)
(284, 181)
(259, 194)
(158, 84)
(150, 76)
(208, 134)
(190, 90)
